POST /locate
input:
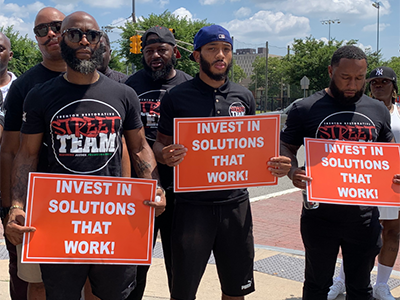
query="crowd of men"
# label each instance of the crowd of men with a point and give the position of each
(74, 78)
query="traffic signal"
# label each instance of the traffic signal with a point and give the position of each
(136, 45)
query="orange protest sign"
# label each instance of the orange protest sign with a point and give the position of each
(88, 219)
(355, 173)
(225, 152)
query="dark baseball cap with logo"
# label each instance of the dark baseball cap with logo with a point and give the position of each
(383, 72)
(164, 36)
(210, 34)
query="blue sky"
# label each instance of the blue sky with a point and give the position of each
(251, 22)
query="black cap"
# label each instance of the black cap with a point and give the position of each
(383, 72)
(163, 33)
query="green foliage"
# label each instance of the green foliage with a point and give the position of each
(374, 60)
(276, 75)
(238, 73)
(26, 51)
(311, 58)
(394, 63)
(117, 62)
(185, 30)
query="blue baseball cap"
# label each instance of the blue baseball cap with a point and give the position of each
(210, 34)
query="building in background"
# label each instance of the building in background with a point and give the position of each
(245, 57)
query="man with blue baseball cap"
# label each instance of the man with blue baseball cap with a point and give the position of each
(219, 221)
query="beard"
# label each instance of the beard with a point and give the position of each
(341, 98)
(85, 66)
(164, 72)
(206, 68)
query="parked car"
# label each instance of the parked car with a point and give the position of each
(283, 112)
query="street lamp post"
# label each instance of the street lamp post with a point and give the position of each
(133, 12)
(377, 6)
(329, 22)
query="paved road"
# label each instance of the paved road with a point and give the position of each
(284, 183)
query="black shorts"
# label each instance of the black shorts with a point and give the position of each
(225, 229)
(109, 282)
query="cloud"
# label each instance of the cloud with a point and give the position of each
(265, 25)
(372, 27)
(182, 13)
(18, 25)
(327, 8)
(163, 3)
(211, 2)
(104, 3)
(66, 8)
(242, 12)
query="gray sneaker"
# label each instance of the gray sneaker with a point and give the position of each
(338, 287)
(382, 292)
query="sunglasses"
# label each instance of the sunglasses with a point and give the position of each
(42, 30)
(75, 35)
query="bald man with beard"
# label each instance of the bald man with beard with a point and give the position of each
(47, 30)
(80, 89)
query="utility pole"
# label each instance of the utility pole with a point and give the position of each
(266, 76)
(133, 12)
(377, 5)
(233, 63)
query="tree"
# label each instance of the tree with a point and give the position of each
(117, 62)
(238, 73)
(394, 63)
(276, 75)
(26, 51)
(185, 30)
(311, 58)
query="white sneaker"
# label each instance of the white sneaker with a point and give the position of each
(382, 292)
(338, 287)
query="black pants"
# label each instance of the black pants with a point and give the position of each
(163, 223)
(360, 242)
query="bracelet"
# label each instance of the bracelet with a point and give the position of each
(15, 207)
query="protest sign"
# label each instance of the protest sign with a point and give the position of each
(226, 152)
(88, 219)
(357, 173)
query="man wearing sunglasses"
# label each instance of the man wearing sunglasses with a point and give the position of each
(102, 109)
(47, 30)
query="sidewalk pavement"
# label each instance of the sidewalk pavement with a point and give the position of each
(279, 261)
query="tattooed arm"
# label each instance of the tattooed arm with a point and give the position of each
(144, 163)
(25, 162)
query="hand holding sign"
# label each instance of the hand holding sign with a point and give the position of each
(15, 226)
(173, 154)
(160, 202)
(300, 179)
(279, 166)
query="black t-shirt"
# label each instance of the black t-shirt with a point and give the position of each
(321, 116)
(82, 124)
(15, 101)
(195, 98)
(115, 75)
(150, 93)
(18, 91)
